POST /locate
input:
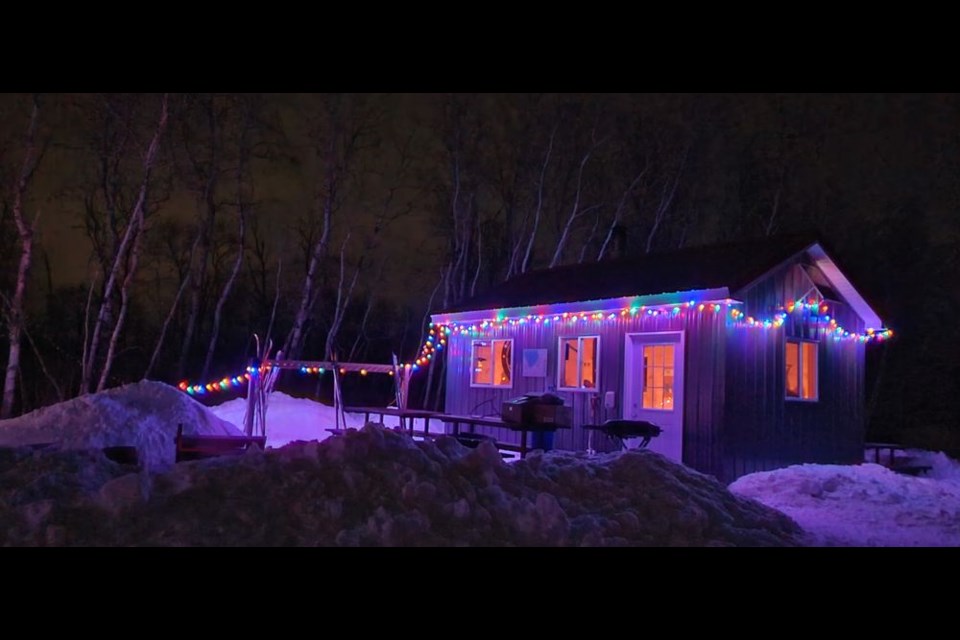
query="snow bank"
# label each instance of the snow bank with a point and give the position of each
(865, 505)
(379, 487)
(144, 415)
(288, 419)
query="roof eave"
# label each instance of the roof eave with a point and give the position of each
(605, 304)
(844, 287)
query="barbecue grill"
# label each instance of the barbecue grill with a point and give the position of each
(622, 429)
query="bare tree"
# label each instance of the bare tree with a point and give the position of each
(244, 155)
(771, 224)
(126, 255)
(576, 211)
(166, 323)
(15, 315)
(337, 139)
(667, 193)
(206, 169)
(539, 208)
(618, 214)
(276, 300)
(342, 300)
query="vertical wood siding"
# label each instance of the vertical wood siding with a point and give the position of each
(764, 430)
(703, 381)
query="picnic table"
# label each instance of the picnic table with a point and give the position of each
(496, 421)
(407, 416)
(903, 464)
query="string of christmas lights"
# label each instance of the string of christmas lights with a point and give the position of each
(438, 334)
(825, 322)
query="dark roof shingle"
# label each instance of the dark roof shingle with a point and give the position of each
(728, 265)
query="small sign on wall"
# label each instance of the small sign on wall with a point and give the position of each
(534, 363)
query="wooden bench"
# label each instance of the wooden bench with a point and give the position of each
(909, 466)
(901, 464)
(200, 447)
(433, 435)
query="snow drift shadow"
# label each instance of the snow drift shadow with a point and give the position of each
(378, 487)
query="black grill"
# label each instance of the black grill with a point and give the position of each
(622, 429)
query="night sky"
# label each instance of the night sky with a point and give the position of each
(876, 175)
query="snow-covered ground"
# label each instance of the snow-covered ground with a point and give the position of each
(865, 505)
(144, 415)
(376, 486)
(291, 419)
(371, 486)
(288, 419)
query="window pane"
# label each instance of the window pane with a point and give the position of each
(647, 364)
(793, 373)
(809, 370)
(501, 369)
(568, 371)
(668, 359)
(658, 356)
(657, 398)
(588, 362)
(482, 363)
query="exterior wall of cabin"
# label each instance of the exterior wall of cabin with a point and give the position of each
(704, 351)
(762, 429)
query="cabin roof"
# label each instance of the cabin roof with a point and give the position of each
(732, 266)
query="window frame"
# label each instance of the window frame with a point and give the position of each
(561, 340)
(643, 376)
(491, 385)
(816, 369)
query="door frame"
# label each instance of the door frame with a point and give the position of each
(628, 373)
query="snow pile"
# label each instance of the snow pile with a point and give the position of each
(865, 505)
(379, 487)
(942, 467)
(144, 415)
(289, 419)
(46, 494)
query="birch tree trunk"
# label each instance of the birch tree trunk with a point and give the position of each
(210, 177)
(25, 233)
(228, 286)
(618, 214)
(666, 199)
(536, 216)
(166, 325)
(575, 212)
(134, 258)
(343, 300)
(132, 231)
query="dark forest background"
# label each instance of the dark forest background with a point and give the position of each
(163, 231)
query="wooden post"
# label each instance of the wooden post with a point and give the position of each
(336, 397)
(252, 402)
(405, 387)
(398, 382)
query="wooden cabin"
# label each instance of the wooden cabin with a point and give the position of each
(750, 356)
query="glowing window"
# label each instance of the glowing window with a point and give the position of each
(579, 364)
(658, 372)
(800, 359)
(492, 362)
